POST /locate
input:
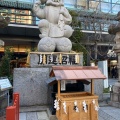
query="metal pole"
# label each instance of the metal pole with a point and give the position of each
(8, 98)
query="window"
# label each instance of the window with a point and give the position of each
(26, 0)
(115, 8)
(115, 1)
(17, 16)
(105, 7)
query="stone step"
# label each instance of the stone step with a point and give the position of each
(33, 108)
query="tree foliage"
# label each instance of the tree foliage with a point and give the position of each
(5, 62)
(77, 35)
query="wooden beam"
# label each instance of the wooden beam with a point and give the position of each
(92, 86)
(58, 88)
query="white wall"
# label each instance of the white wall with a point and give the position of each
(103, 66)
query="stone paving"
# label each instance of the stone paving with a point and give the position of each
(34, 116)
(105, 113)
(109, 113)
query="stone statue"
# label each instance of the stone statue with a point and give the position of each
(53, 25)
(115, 93)
(115, 30)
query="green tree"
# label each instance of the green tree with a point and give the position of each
(77, 35)
(5, 62)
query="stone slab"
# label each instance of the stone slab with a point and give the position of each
(31, 116)
(23, 116)
(115, 97)
(42, 115)
(109, 113)
(30, 83)
(98, 88)
(36, 59)
(116, 89)
(117, 84)
(114, 104)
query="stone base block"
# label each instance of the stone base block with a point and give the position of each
(114, 104)
(116, 89)
(30, 83)
(117, 84)
(115, 97)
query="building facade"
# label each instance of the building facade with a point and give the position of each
(95, 17)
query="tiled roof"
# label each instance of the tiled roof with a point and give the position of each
(76, 73)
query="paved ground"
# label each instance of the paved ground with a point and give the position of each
(34, 116)
(105, 113)
(112, 81)
(109, 113)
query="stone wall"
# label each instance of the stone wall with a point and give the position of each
(30, 83)
(98, 88)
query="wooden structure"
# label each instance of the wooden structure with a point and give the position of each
(76, 105)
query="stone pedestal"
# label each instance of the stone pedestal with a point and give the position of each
(115, 30)
(30, 83)
(115, 93)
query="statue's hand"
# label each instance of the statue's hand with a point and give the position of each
(62, 11)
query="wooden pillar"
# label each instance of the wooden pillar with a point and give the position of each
(58, 88)
(92, 86)
(44, 59)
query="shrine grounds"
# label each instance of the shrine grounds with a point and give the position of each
(106, 112)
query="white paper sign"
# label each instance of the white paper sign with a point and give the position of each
(5, 84)
(63, 85)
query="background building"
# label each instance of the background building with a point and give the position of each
(95, 16)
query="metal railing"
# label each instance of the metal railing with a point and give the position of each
(12, 112)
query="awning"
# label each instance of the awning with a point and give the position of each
(76, 73)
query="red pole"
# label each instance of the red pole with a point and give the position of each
(11, 113)
(16, 100)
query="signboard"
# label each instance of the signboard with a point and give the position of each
(63, 85)
(5, 84)
(55, 58)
